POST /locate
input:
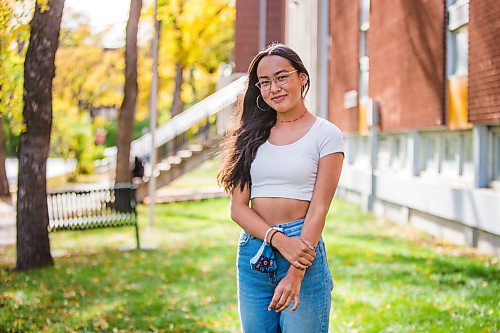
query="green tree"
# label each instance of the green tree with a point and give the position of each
(95, 82)
(205, 30)
(127, 110)
(197, 36)
(14, 34)
(33, 247)
(78, 90)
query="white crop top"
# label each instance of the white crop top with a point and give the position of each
(289, 171)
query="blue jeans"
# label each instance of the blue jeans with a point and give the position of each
(256, 290)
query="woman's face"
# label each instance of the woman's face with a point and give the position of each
(280, 83)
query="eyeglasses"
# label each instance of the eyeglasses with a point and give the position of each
(280, 79)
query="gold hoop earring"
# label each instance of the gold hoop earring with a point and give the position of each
(257, 102)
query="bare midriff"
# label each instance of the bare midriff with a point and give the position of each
(279, 210)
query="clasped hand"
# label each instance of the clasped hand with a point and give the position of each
(300, 254)
(297, 251)
(286, 291)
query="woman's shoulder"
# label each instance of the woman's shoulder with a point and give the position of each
(329, 138)
(327, 128)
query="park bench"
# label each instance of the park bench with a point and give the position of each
(94, 208)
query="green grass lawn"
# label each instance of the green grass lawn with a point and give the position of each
(202, 177)
(388, 278)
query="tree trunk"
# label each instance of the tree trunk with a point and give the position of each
(127, 110)
(33, 248)
(192, 82)
(4, 182)
(177, 107)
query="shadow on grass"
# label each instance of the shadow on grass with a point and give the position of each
(173, 290)
(384, 283)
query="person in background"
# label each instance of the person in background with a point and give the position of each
(138, 170)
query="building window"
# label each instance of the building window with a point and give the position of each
(458, 37)
(358, 151)
(430, 156)
(496, 155)
(362, 151)
(350, 152)
(398, 152)
(467, 163)
(450, 156)
(384, 152)
(459, 43)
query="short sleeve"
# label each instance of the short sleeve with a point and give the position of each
(330, 139)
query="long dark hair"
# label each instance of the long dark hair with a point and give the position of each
(253, 125)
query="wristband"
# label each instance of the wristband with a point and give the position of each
(271, 239)
(267, 233)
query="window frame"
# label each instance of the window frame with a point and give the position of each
(495, 158)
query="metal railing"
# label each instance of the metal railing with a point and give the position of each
(179, 124)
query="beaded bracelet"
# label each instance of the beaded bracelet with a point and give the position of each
(271, 239)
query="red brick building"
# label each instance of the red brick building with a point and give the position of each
(415, 88)
(404, 44)
(247, 30)
(406, 59)
(484, 61)
(344, 67)
(426, 74)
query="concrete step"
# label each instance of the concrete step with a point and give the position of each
(175, 166)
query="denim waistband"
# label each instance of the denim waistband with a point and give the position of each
(292, 228)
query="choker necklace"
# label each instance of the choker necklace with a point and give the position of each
(293, 120)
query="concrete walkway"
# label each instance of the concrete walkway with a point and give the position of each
(55, 167)
(7, 223)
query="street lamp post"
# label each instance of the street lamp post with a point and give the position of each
(152, 115)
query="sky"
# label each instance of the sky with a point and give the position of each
(104, 14)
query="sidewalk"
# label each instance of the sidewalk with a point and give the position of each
(7, 223)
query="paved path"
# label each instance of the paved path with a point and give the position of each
(7, 223)
(55, 167)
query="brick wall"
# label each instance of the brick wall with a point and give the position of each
(344, 68)
(275, 21)
(484, 61)
(246, 43)
(246, 37)
(406, 51)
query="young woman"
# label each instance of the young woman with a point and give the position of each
(281, 166)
